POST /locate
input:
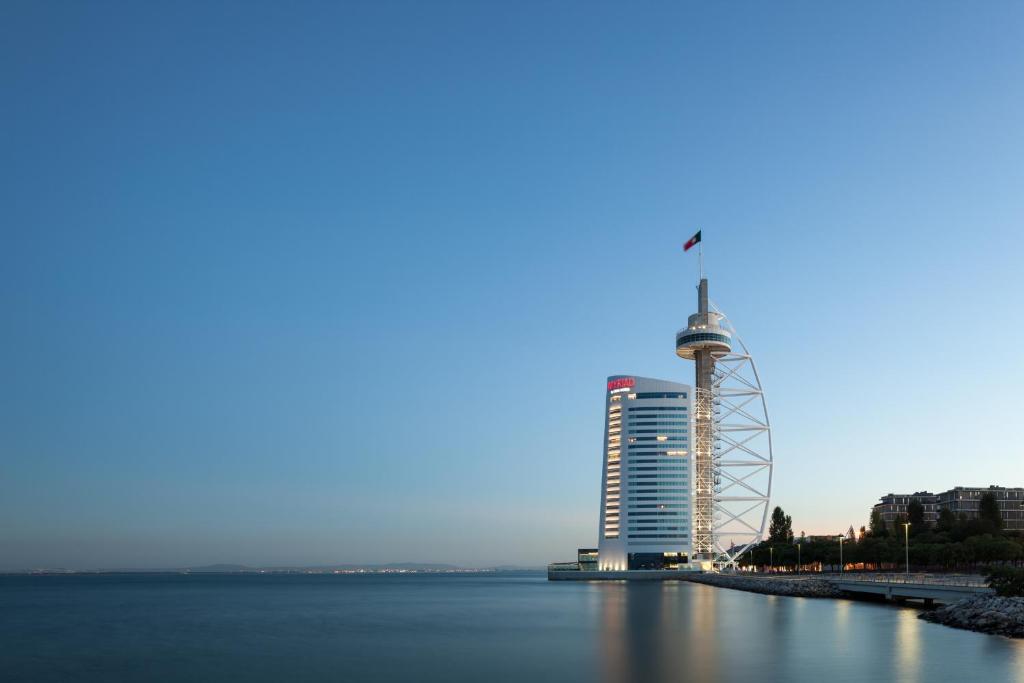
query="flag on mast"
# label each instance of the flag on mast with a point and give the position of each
(692, 241)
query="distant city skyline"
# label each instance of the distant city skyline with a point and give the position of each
(342, 284)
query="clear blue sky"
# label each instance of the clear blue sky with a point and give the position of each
(341, 282)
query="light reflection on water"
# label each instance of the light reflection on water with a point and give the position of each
(654, 632)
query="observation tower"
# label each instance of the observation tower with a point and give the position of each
(732, 453)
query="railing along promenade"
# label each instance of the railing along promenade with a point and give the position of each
(956, 580)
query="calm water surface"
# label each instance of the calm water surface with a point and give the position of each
(502, 627)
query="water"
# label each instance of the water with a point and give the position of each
(501, 627)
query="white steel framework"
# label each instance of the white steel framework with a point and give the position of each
(742, 453)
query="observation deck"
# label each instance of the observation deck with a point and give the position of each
(703, 333)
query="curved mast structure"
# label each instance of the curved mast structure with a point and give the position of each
(732, 452)
(742, 454)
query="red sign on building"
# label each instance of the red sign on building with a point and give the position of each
(623, 383)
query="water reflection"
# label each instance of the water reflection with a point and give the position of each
(908, 645)
(683, 631)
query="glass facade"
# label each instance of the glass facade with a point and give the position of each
(689, 338)
(647, 439)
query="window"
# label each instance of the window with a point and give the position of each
(660, 493)
(678, 536)
(656, 469)
(644, 506)
(659, 439)
(634, 477)
(676, 515)
(701, 336)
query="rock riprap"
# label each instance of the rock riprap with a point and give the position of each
(771, 585)
(985, 613)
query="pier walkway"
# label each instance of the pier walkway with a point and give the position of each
(928, 587)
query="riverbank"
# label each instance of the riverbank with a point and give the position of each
(985, 614)
(798, 586)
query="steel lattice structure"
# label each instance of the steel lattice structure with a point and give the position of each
(732, 444)
(742, 454)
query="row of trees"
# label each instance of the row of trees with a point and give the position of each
(951, 544)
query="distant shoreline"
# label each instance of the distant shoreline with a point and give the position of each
(269, 571)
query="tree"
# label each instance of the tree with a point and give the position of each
(897, 526)
(877, 524)
(946, 520)
(1006, 581)
(781, 528)
(851, 535)
(915, 515)
(988, 511)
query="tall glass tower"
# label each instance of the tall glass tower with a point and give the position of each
(646, 475)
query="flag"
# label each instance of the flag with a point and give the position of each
(692, 241)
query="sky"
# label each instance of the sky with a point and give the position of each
(313, 283)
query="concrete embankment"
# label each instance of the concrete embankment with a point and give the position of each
(986, 614)
(794, 587)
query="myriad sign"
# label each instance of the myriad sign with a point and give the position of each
(623, 383)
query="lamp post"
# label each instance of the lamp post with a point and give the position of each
(771, 555)
(906, 541)
(840, 553)
(799, 562)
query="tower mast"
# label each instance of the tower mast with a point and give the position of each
(700, 341)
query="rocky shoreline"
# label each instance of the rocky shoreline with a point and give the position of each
(792, 587)
(985, 614)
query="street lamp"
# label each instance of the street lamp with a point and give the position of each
(771, 554)
(906, 540)
(799, 563)
(840, 553)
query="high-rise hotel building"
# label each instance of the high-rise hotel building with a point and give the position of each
(646, 476)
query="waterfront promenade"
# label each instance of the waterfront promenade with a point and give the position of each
(929, 588)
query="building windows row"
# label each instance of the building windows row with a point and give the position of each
(674, 439)
(677, 536)
(636, 410)
(657, 394)
(701, 336)
(658, 513)
(668, 506)
(672, 477)
(658, 431)
(652, 461)
(665, 468)
(644, 451)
